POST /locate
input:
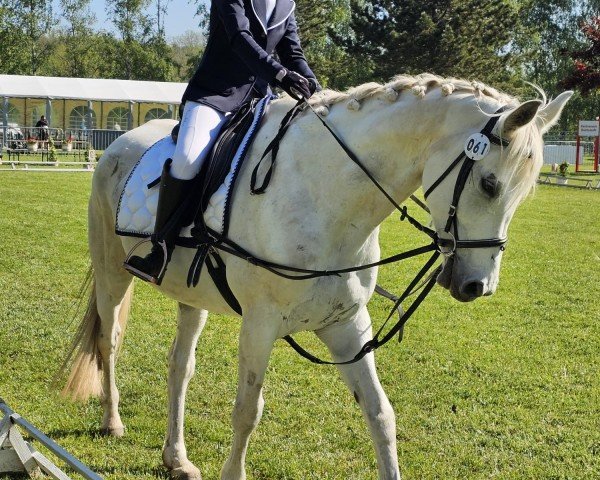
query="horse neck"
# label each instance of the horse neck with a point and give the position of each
(393, 141)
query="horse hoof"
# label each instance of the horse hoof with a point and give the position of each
(113, 431)
(186, 473)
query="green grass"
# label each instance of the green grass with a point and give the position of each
(506, 387)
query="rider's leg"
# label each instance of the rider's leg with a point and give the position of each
(199, 129)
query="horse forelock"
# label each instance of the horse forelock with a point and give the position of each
(522, 161)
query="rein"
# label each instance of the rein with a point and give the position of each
(421, 281)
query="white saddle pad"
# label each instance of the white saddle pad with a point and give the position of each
(136, 211)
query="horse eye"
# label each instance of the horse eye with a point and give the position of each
(490, 185)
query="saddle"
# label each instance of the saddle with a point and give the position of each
(208, 207)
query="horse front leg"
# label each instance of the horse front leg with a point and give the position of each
(182, 361)
(343, 342)
(255, 346)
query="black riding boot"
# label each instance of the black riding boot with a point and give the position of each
(172, 192)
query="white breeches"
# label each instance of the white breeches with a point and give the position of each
(199, 129)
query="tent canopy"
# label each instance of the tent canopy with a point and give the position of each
(94, 89)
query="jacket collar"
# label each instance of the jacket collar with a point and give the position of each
(283, 9)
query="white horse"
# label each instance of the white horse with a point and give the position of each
(320, 212)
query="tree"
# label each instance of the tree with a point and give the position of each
(585, 75)
(448, 37)
(77, 52)
(142, 54)
(549, 27)
(32, 20)
(186, 50)
(13, 59)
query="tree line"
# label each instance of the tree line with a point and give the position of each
(505, 43)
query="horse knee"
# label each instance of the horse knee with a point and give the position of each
(182, 363)
(381, 416)
(247, 413)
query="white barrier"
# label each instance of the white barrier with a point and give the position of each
(16, 455)
(559, 152)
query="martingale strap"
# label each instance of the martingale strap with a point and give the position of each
(376, 341)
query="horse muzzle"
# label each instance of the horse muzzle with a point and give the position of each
(464, 288)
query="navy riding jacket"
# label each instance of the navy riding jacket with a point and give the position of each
(238, 60)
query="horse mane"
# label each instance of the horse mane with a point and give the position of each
(526, 144)
(419, 85)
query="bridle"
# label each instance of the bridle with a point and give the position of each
(468, 158)
(476, 148)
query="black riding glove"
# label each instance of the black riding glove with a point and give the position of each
(295, 85)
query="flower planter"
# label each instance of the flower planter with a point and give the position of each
(32, 147)
(67, 147)
(562, 180)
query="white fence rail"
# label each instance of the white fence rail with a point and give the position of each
(565, 151)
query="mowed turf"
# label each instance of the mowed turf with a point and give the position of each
(505, 387)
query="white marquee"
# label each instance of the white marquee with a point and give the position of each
(91, 89)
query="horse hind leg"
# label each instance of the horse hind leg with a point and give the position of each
(93, 352)
(108, 310)
(113, 310)
(343, 341)
(182, 361)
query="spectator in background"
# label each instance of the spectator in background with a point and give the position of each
(42, 124)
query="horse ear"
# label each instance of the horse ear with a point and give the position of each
(520, 116)
(550, 114)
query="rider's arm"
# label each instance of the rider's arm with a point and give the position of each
(290, 52)
(233, 15)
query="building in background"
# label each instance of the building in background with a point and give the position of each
(84, 104)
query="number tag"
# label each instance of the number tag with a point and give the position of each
(477, 146)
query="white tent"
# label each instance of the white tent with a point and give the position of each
(138, 96)
(91, 89)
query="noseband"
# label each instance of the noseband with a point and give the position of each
(476, 148)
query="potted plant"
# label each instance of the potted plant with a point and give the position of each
(52, 152)
(32, 144)
(562, 173)
(67, 145)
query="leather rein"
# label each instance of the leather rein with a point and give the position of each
(438, 246)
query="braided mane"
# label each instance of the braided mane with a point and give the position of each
(419, 85)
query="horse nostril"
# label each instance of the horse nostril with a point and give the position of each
(473, 289)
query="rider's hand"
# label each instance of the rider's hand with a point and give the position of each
(295, 85)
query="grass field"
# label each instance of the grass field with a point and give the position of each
(507, 387)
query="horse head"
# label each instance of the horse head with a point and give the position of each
(474, 229)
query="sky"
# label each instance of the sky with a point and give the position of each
(180, 16)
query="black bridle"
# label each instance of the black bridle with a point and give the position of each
(438, 246)
(451, 227)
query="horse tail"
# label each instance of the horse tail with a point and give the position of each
(83, 360)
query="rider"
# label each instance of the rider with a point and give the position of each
(236, 66)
